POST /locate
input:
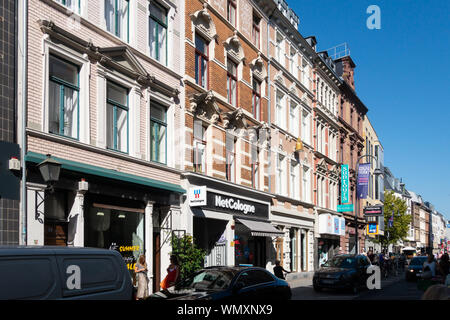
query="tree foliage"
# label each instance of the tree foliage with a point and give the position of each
(189, 256)
(400, 228)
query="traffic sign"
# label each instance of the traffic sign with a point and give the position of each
(345, 207)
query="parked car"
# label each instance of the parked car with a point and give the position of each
(48, 272)
(344, 271)
(414, 268)
(227, 283)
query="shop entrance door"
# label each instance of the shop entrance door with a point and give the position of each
(258, 247)
(55, 233)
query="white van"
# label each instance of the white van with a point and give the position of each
(50, 272)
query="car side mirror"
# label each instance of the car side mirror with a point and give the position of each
(237, 287)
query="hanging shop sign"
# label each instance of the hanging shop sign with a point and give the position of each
(345, 207)
(372, 228)
(363, 180)
(344, 184)
(197, 196)
(373, 211)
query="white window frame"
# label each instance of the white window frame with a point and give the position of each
(280, 109)
(82, 61)
(134, 98)
(306, 126)
(293, 117)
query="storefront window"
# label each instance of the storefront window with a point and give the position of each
(247, 248)
(120, 230)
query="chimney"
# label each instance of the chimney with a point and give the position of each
(345, 68)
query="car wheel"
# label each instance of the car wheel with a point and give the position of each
(317, 288)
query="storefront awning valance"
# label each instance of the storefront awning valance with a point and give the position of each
(106, 173)
(261, 228)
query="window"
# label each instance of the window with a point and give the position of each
(255, 31)
(201, 62)
(319, 137)
(294, 179)
(292, 64)
(306, 127)
(158, 133)
(280, 174)
(73, 5)
(279, 51)
(230, 165)
(232, 82)
(116, 16)
(231, 12)
(158, 32)
(255, 277)
(256, 99)
(117, 117)
(306, 185)
(280, 116)
(255, 165)
(64, 92)
(199, 147)
(293, 118)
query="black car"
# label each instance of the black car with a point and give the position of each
(414, 268)
(344, 271)
(227, 283)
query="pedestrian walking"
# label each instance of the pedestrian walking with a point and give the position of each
(278, 270)
(173, 273)
(429, 267)
(140, 270)
(443, 266)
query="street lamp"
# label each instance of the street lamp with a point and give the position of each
(50, 169)
(376, 173)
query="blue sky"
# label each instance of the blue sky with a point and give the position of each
(402, 75)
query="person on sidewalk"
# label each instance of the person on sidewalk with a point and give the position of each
(278, 270)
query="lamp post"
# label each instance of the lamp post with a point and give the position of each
(376, 172)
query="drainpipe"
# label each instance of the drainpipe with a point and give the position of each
(269, 120)
(24, 116)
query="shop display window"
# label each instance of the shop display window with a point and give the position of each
(117, 230)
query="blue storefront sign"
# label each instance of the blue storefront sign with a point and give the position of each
(363, 180)
(344, 184)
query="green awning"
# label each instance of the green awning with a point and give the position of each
(106, 173)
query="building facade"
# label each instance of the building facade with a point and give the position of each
(10, 231)
(351, 144)
(291, 96)
(226, 132)
(375, 196)
(104, 99)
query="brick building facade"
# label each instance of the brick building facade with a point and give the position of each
(104, 99)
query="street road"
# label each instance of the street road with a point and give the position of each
(392, 288)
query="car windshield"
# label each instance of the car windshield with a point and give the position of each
(341, 262)
(208, 280)
(418, 261)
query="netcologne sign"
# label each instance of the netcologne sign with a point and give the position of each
(235, 205)
(231, 203)
(197, 196)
